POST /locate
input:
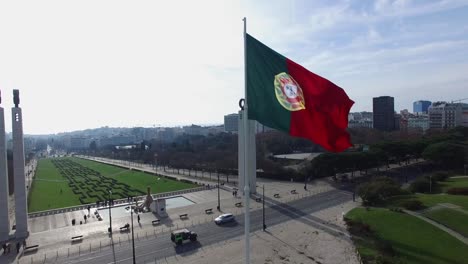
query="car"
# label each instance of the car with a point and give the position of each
(178, 236)
(224, 218)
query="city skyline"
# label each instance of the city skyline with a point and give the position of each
(92, 64)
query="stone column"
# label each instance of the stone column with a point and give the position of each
(18, 168)
(4, 216)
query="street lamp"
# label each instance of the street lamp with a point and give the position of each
(305, 182)
(264, 225)
(430, 183)
(219, 204)
(110, 214)
(133, 237)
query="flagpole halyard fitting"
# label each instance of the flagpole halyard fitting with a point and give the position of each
(241, 103)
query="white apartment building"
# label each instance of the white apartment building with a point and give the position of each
(448, 115)
(231, 123)
(421, 121)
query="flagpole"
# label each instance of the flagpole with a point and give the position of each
(246, 151)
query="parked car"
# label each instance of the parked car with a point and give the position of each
(224, 218)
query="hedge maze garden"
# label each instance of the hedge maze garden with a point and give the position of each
(90, 185)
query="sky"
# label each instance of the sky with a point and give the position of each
(87, 64)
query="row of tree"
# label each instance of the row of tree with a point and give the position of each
(447, 151)
(219, 153)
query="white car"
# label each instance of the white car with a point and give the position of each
(224, 218)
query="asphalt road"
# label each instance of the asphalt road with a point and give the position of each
(156, 248)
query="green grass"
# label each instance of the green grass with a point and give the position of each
(51, 190)
(45, 193)
(452, 219)
(414, 240)
(453, 183)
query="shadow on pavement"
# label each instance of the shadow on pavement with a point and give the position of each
(188, 248)
(229, 224)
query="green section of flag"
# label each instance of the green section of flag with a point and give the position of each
(263, 64)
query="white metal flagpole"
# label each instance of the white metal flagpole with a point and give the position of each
(246, 159)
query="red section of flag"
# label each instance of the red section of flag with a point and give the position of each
(325, 119)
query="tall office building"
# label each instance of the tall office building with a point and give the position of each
(384, 113)
(421, 106)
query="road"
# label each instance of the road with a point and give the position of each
(157, 248)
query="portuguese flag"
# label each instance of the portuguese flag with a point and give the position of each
(285, 96)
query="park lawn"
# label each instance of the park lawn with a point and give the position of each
(453, 183)
(136, 179)
(50, 189)
(47, 171)
(450, 218)
(431, 199)
(414, 240)
(434, 199)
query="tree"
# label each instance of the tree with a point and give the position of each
(448, 154)
(421, 185)
(378, 190)
(93, 145)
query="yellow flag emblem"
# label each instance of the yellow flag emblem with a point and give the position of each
(288, 92)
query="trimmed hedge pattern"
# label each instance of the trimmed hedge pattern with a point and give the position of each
(90, 185)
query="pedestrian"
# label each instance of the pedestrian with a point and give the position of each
(4, 248)
(138, 217)
(17, 247)
(85, 219)
(24, 244)
(89, 210)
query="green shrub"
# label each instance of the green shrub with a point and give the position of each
(378, 190)
(358, 228)
(396, 209)
(458, 191)
(385, 247)
(412, 205)
(440, 176)
(422, 185)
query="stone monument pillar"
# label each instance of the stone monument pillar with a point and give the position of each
(18, 169)
(4, 217)
(252, 164)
